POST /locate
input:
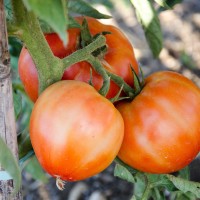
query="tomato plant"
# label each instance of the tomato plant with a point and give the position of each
(75, 132)
(162, 129)
(118, 58)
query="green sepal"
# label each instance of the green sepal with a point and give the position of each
(117, 96)
(34, 168)
(86, 37)
(17, 99)
(137, 83)
(91, 77)
(24, 143)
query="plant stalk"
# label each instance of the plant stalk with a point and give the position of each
(49, 67)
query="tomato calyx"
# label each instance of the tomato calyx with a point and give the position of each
(138, 81)
(130, 93)
(87, 38)
(60, 183)
(96, 60)
(100, 52)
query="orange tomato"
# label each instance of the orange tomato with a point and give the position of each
(162, 129)
(75, 132)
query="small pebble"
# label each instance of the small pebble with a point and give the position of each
(97, 195)
(77, 191)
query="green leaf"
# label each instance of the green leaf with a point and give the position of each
(185, 185)
(15, 46)
(9, 163)
(46, 28)
(51, 11)
(17, 99)
(152, 182)
(86, 37)
(72, 23)
(162, 3)
(24, 144)
(8, 10)
(133, 198)
(123, 173)
(140, 186)
(34, 168)
(184, 173)
(109, 4)
(158, 194)
(84, 8)
(148, 18)
(172, 3)
(178, 195)
(160, 180)
(130, 169)
(187, 61)
(136, 80)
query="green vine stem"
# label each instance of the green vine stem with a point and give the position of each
(147, 190)
(100, 70)
(83, 54)
(50, 68)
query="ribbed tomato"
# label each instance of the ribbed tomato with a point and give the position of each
(119, 57)
(162, 129)
(75, 132)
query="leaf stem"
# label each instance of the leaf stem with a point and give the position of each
(147, 190)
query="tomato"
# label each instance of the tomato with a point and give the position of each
(117, 59)
(75, 132)
(162, 129)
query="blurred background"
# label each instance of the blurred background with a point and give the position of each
(181, 52)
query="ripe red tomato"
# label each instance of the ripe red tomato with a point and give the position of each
(119, 57)
(75, 132)
(162, 129)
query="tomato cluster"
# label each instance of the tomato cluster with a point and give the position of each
(77, 133)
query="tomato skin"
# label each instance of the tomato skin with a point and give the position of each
(162, 129)
(75, 132)
(119, 57)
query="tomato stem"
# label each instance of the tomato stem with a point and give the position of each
(50, 68)
(100, 70)
(147, 191)
(83, 54)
